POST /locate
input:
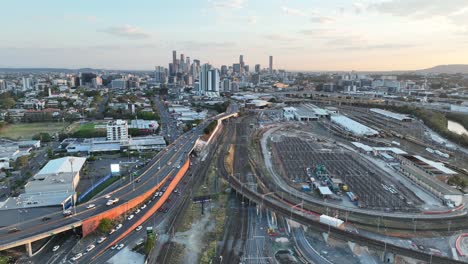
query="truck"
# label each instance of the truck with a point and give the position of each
(112, 201)
(332, 221)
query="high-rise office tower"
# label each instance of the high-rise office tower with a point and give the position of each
(160, 74)
(174, 62)
(271, 64)
(187, 65)
(224, 70)
(209, 79)
(257, 68)
(236, 67)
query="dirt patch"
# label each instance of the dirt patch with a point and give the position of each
(192, 239)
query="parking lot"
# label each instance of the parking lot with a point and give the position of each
(374, 188)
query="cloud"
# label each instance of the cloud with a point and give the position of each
(229, 4)
(420, 8)
(321, 19)
(200, 45)
(253, 20)
(378, 47)
(292, 11)
(278, 37)
(126, 31)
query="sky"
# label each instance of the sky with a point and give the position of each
(302, 35)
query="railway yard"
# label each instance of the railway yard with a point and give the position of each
(318, 167)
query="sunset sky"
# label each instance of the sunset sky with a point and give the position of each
(309, 35)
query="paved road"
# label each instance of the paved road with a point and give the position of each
(163, 164)
(169, 127)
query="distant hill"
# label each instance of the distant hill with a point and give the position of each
(449, 69)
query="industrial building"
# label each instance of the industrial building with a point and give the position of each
(430, 175)
(304, 112)
(391, 115)
(353, 127)
(53, 185)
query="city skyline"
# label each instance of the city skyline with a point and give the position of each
(338, 35)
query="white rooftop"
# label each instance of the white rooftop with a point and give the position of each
(324, 190)
(362, 146)
(438, 165)
(390, 114)
(62, 165)
(353, 126)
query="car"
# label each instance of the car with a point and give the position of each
(137, 211)
(143, 207)
(114, 246)
(141, 241)
(176, 190)
(107, 196)
(120, 246)
(161, 209)
(90, 206)
(55, 248)
(67, 213)
(13, 230)
(112, 231)
(165, 188)
(168, 200)
(130, 217)
(90, 247)
(138, 228)
(77, 256)
(118, 227)
(138, 180)
(45, 218)
(101, 239)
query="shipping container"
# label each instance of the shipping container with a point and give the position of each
(332, 221)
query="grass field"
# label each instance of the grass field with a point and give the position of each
(28, 130)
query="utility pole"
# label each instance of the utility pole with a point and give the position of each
(71, 160)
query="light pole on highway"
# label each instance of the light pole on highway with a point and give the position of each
(71, 160)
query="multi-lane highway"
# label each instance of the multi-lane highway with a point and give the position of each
(165, 163)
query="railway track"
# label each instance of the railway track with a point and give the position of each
(303, 218)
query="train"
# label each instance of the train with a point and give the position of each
(332, 221)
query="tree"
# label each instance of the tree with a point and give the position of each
(105, 225)
(44, 137)
(7, 102)
(50, 153)
(149, 244)
(21, 162)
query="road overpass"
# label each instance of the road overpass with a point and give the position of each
(173, 161)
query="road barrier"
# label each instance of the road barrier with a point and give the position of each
(93, 187)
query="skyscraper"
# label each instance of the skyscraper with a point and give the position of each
(209, 79)
(241, 63)
(160, 74)
(174, 63)
(271, 64)
(257, 68)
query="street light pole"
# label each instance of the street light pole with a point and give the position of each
(72, 185)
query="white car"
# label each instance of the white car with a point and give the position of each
(114, 246)
(107, 196)
(101, 239)
(112, 231)
(120, 246)
(118, 227)
(138, 228)
(90, 206)
(130, 217)
(55, 248)
(77, 256)
(90, 247)
(137, 211)
(143, 207)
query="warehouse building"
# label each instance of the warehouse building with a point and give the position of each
(391, 115)
(431, 176)
(352, 126)
(53, 185)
